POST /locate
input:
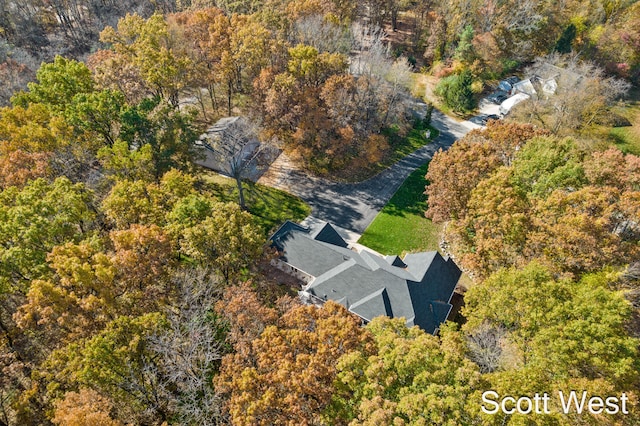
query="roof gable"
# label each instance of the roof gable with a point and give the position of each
(419, 263)
(431, 315)
(396, 261)
(328, 234)
(279, 237)
(441, 277)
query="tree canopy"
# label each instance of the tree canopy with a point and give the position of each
(410, 378)
(560, 332)
(133, 291)
(286, 373)
(541, 198)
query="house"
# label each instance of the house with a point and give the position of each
(548, 78)
(229, 140)
(545, 71)
(418, 287)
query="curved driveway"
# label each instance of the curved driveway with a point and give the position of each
(354, 205)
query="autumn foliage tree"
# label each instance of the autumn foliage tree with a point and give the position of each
(120, 363)
(205, 34)
(228, 240)
(143, 369)
(77, 302)
(32, 128)
(166, 133)
(84, 408)
(617, 46)
(286, 374)
(58, 82)
(35, 219)
(454, 173)
(548, 199)
(142, 202)
(411, 377)
(18, 167)
(333, 119)
(153, 50)
(91, 285)
(102, 319)
(144, 257)
(558, 333)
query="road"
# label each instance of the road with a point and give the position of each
(354, 205)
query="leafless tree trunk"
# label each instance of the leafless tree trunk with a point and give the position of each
(212, 94)
(192, 348)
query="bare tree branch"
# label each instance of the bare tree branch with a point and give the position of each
(235, 150)
(486, 347)
(191, 349)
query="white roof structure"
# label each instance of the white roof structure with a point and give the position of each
(229, 141)
(514, 100)
(524, 86)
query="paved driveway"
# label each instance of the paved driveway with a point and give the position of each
(354, 205)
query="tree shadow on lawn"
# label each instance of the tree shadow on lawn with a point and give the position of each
(270, 206)
(273, 206)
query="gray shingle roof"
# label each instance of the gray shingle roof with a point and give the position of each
(373, 305)
(418, 288)
(311, 256)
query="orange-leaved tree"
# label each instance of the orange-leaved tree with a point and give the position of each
(286, 375)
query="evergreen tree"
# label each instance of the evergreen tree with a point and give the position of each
(563, 45)
(456, 92)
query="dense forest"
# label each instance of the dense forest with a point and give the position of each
(136, 288)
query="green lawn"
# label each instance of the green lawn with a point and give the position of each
(403, 146)
(401, 225)
(626, 139)
(270, 206)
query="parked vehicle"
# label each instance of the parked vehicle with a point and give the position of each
(507, 83)
(497, 97)
(486, 118)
